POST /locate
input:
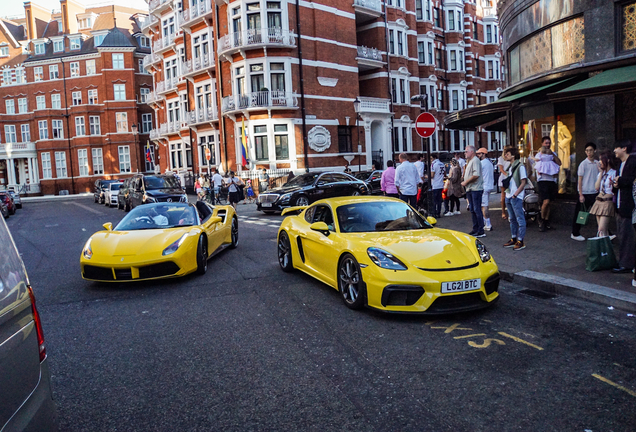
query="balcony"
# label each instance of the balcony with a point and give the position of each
(374, 105)
(154, 134)
(163, 43)
(151, 59)
(195, 13)
(369, 58)
(169, 128)
(257, 38)
(18, 150)
(152, 97)
(201, 116)
(197, 64)
(367, 10)
(166, 85)
(259, 101)
(145, 23)
(158, 6)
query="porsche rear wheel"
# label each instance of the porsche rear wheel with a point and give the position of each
(235, 233)
(285, 252)
(350, 283)
(202, 256)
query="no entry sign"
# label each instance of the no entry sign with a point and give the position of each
(425, 125)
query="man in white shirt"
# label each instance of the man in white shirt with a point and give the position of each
(488, 177)
(406, 180)
(587, 174)
(217, 179)
(437, 185)
(419, 164)
(514, 199)
(461, 161)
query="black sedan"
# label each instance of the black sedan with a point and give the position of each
(372, 179)
(304, 189)
(146, 189)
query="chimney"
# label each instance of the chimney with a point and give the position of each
(65, 24)
(30, 21)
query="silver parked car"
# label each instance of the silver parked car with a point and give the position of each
(16, 199)
(111, 194)
(26, 402)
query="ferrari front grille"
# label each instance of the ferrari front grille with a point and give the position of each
(98, 273)
(158, 270)
(123, 274)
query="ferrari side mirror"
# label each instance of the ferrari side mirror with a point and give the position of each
(108, 226)
(431, 220)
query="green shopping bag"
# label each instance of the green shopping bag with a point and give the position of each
(600, 254)
(583, 215)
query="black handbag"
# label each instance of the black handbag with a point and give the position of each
(505, 183)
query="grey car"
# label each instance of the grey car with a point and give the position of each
(26, 402)
(16, 199)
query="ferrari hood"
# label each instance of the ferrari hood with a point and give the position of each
(129, 243)
(433, 249)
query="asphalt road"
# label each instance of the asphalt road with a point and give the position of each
(247, 347)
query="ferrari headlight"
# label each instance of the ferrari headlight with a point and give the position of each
(88, 252)
(174, 246)
(383, 259)
(483, 252)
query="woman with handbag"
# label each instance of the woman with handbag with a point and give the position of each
(455, 189)
(234, 184)
(603, 207)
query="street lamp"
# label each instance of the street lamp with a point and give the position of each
(134, 132)
(356, 107)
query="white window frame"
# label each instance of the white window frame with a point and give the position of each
(56, 101)
(57, 129)
(118, 60)
(119, 92)
(9, 134)
(22, 106)
(121, 122)
(60, 164)
(39, 48)
(25, 131)
(80, 126)
(90, 67)
(54, 72)
(58, 45)
(123, 153)
(146, 123)
(143, 94)
(75, 43)
(76, 98)
(47, 172)
(92, 97)
(43, 129)
(75, 69)
(9, 105)
(95, 127)
(82, 161)
(38, 74)
(98, 161)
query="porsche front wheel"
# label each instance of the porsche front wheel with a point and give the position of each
(202, 256)
(235, 233)
(350, 283)
(285, 252)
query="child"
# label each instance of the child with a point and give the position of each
(545, 162)
(199, 190)
(251, 198)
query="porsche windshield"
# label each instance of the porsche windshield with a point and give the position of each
(152, 182)
(303, 180)
(158, 216)
(379, 216)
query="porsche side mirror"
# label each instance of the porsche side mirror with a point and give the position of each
(215, 220)
(108, 226)
(431, 220)
(320, 227)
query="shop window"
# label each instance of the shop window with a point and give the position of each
(629, 26)
(344, 139)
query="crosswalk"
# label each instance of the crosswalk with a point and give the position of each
(259, 221)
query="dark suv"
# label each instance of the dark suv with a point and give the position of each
(100, 188)
(145, 189)
(8, 201)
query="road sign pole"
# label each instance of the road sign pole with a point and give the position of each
(425, 126)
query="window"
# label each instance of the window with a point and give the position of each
(118, 60)
(140, 66)
(40, 102)
(394, 89)
(400, 41)
(421, 55)
(95, 128)
(392, 41)
(260, 141)
(403, 91)
(20, 75)
(119, 92)
(84, 23)
(176, 156)
(143, 94)
(60, 27)
(405, 139)
(477, 67)
(39, 48)
(90, 67)
(10, 105)
(475, 30)
(277, 76)
(122, 122)
(60, 164)
(22, 105)
(57, 129)
(58, 46)
(150, 165)
(418, 10)
(6, 77)
(98, 39)
(281, 142)
(80, 126)
(56, 101)
(124, 159)
(92, 97)
(38, 73)
(453, 60)
(455, 100)
(451, 20)
(146, 123)
(77, 97)
(9, 133)
(46, 166)
(53, 72)
(82, 160)
(438, 58)
(440, 99)
(43, 128)
(491, 74)
(4, 51)
(26, 132)
(344, 139)
(488, 34)
(76, 43)
(98, 161)
(144, 42)
(430, 53)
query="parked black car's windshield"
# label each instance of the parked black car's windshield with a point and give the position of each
(161, 183)
(362, 175)
(303, 180)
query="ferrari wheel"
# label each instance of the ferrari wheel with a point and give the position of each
(350, 283)
(202, 256)
(285, 252)
(235, 233)
(302, 200)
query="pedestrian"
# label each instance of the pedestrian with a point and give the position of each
(347, 170)
(387, 182)
(603, 206)
(547, 181)
(488, 176)
(437, 184)
(588, 173)
(419, 164)
(517, 179)
(474, 184)
(250, 197)
(290, 176)
(406, 180)
(455, 188)
(199, 189)
(263, 181)
(217, 181)
(503, 166)
(461, 161)
(233, 188)
(623, 184)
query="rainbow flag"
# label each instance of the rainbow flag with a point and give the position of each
(245, 160)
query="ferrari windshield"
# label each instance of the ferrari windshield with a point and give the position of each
(166, 182)
(303, 180)
(379, 216)
(159, 216)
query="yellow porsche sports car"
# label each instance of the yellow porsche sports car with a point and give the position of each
(160, 240)
(379, 252)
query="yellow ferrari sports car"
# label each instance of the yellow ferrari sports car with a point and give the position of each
(160, 240)
(380, 252)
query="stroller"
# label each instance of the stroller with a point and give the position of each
(422, 205)
(531, 204)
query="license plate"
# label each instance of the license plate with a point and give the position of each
(266, 204)
(466, 285)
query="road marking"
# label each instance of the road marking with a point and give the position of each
(486, 343)
(514, 338)
(613, 384)
(451, 328)
(85, 207)
(469, 336)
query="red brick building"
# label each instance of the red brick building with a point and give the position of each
(219, 67)
(71, 106)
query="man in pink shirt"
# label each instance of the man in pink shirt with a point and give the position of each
(387, 183)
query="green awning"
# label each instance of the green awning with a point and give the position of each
(518, 96)
(607, 82)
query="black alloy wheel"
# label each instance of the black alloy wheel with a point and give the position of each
(350, 284)
(235, 233)
(302, 200)
(285, 253)
(356, 192)
(96, 199)
(202, 256)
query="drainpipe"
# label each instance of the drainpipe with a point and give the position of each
(388, 83)
(68, 128)
(302, 86)
(219, 90)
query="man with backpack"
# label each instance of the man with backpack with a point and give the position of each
(514, 185)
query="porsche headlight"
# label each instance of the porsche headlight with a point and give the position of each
(384, 259)
(88, 252)
(483, 252)
(174, 246)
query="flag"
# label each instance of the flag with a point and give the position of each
(148, 156)
(245, 160)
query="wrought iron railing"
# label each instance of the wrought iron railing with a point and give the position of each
(375, 5)
(262, 99)
(257, 37)
(369, 53)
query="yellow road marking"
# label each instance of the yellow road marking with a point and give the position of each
(468, 336)
(514, 338)
(486, 343)
(618, 386)
(451, 328)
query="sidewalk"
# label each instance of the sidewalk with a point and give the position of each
(551, 261)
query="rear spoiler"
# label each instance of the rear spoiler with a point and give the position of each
(297, 210)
